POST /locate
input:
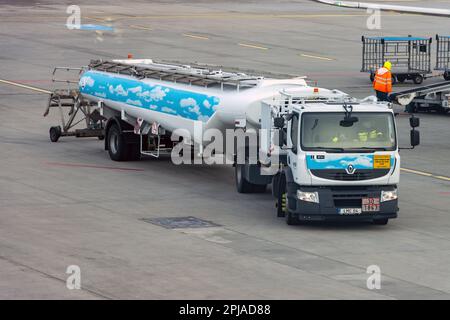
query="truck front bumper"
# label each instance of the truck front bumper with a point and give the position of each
(332, 199)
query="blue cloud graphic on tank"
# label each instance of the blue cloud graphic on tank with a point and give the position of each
(182, 103)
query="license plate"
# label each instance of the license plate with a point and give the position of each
(370, 204)
(350, 211)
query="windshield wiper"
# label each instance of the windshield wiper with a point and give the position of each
(372, 148)
(331, 149)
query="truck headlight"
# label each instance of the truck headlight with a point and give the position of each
(388, 195)
(308, 196)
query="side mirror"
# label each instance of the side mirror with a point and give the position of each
(414, 122)
(415, 137)
(278, 122)
(281, 137)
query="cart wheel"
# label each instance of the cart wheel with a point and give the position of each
(55, 133)
(447, 75)
(372, 77)
(401, 78)
(417, 78)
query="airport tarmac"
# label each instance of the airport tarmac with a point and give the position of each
(67, 203)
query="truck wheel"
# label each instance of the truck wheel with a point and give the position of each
(55, 133)
(116, 144)
(242, 185)
(417, 78)
(381, 222)
(133, 152)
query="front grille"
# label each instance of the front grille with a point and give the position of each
(342, 175)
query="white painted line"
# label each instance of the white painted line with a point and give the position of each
(252, 46)
(195, 36)
(316, 57)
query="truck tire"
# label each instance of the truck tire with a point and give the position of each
(380, 222)
(117, 147)
(242, 185)
(133, 152)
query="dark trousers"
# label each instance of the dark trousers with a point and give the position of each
(382, 96)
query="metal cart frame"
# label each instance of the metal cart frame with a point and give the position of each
(443, 55)
(410, 57)
(69, 99)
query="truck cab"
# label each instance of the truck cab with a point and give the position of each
(336, 160)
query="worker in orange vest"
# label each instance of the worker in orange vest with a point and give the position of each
(383, 82)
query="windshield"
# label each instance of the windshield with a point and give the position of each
(372, 130)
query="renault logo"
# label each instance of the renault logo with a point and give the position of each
(350, 169)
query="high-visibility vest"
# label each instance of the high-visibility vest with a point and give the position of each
(383, 80)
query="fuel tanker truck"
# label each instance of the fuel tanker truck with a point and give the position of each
(326, 155)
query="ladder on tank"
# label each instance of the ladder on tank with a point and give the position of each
(176, 73)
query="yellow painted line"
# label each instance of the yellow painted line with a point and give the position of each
(316, 57)
(426, 174)
(97, 19)
(135, 26)
(24, 86)
(442, 178)
(252, 46)
(195, 36)
(417, 172)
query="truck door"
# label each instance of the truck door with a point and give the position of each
(293, 142)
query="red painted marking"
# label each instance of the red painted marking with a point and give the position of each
(80, 165)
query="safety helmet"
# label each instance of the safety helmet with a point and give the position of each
(388, 65)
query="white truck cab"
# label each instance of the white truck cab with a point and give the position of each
(334, 160)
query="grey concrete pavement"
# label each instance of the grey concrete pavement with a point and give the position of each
(67, 203)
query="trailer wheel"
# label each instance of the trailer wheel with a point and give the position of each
(417, 78)
(380, 222)
(242, 185)
(55, 133)
(116, 144)
(447, 75)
